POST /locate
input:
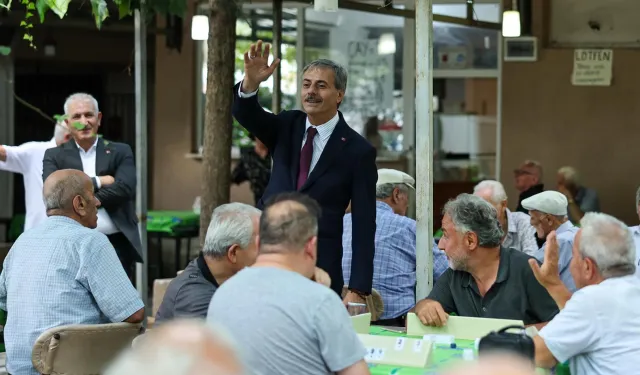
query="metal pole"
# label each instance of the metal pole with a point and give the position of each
(424, 148)
(140, 71)
(276, 102)
(409, 100)
(498, 174)
(300, 34)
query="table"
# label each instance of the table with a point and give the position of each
(441, 357)
(177, 225)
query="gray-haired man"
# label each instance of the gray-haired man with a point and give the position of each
(485, 280)
(230, 245)
(317, 153)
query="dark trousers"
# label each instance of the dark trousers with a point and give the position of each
(123, 250)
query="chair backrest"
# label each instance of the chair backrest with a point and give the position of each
(81, 349)
(159, 289)
(374, 302)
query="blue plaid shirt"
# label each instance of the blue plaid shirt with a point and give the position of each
(394, 264)
(60, 273)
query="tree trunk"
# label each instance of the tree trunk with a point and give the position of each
(216, 153)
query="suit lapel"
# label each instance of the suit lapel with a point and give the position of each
(73, 155)
(336, 142)
(103, 156)
(298, 134)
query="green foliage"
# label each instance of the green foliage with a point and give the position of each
(5, 51)
(99, 11)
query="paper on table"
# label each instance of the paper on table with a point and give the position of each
(461, 327)
(361, 323)
(396, 351)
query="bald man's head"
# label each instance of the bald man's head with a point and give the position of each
(69, 192)
(288, 222)
(188, 347)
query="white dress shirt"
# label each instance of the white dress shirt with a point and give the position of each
(26, 159)
(319, 141)
(105, 224)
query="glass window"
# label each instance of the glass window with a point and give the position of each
(369, 46)
(254, 23)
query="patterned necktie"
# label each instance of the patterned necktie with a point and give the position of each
(305, 157)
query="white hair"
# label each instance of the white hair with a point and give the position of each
(570, 175)
(609, 243)
(638, 197)
(82, 97)
(159, 356)
(384, 191)
(60, 130)
(230, 224)
(498, 195)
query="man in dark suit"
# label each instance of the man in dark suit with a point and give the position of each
(317, 153)
(112, 170)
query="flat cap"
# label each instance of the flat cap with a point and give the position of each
(392, 176)
(550, 202)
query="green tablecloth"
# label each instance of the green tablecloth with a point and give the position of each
(157, 222)
(169, 221)
(441, 357)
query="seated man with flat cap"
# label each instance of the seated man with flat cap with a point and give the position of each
(548, 211)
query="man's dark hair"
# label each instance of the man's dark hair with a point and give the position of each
(288, 220)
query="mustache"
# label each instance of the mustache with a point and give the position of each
(311, 97)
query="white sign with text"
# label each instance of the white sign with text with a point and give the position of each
(592, 67)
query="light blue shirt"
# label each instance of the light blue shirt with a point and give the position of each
(565, 235)
(56, 274)
(394, 263)
(635, 232)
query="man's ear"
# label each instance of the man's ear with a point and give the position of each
(232, 253)
(311, 247)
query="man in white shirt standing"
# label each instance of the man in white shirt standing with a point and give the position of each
(112, 170)
(598, 327)
(26, 159)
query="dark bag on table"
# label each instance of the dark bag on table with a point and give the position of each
(511, 342)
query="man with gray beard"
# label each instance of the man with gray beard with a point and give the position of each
(485, 280)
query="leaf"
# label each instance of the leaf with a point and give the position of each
(77, 125)
(124, 8)
(6, 6)
(31, 6)
(42, 7)
(60, 118)
(58, 7)
(5, 51)
(100, 11)
(28, 15)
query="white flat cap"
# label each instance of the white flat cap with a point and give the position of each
(550, 202)
(392, 176)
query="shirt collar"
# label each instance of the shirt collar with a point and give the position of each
(95, 143)
(206, 272)
(326, 128)
(503, 269)
(383, 206)
(635, 229)
(564, 227)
